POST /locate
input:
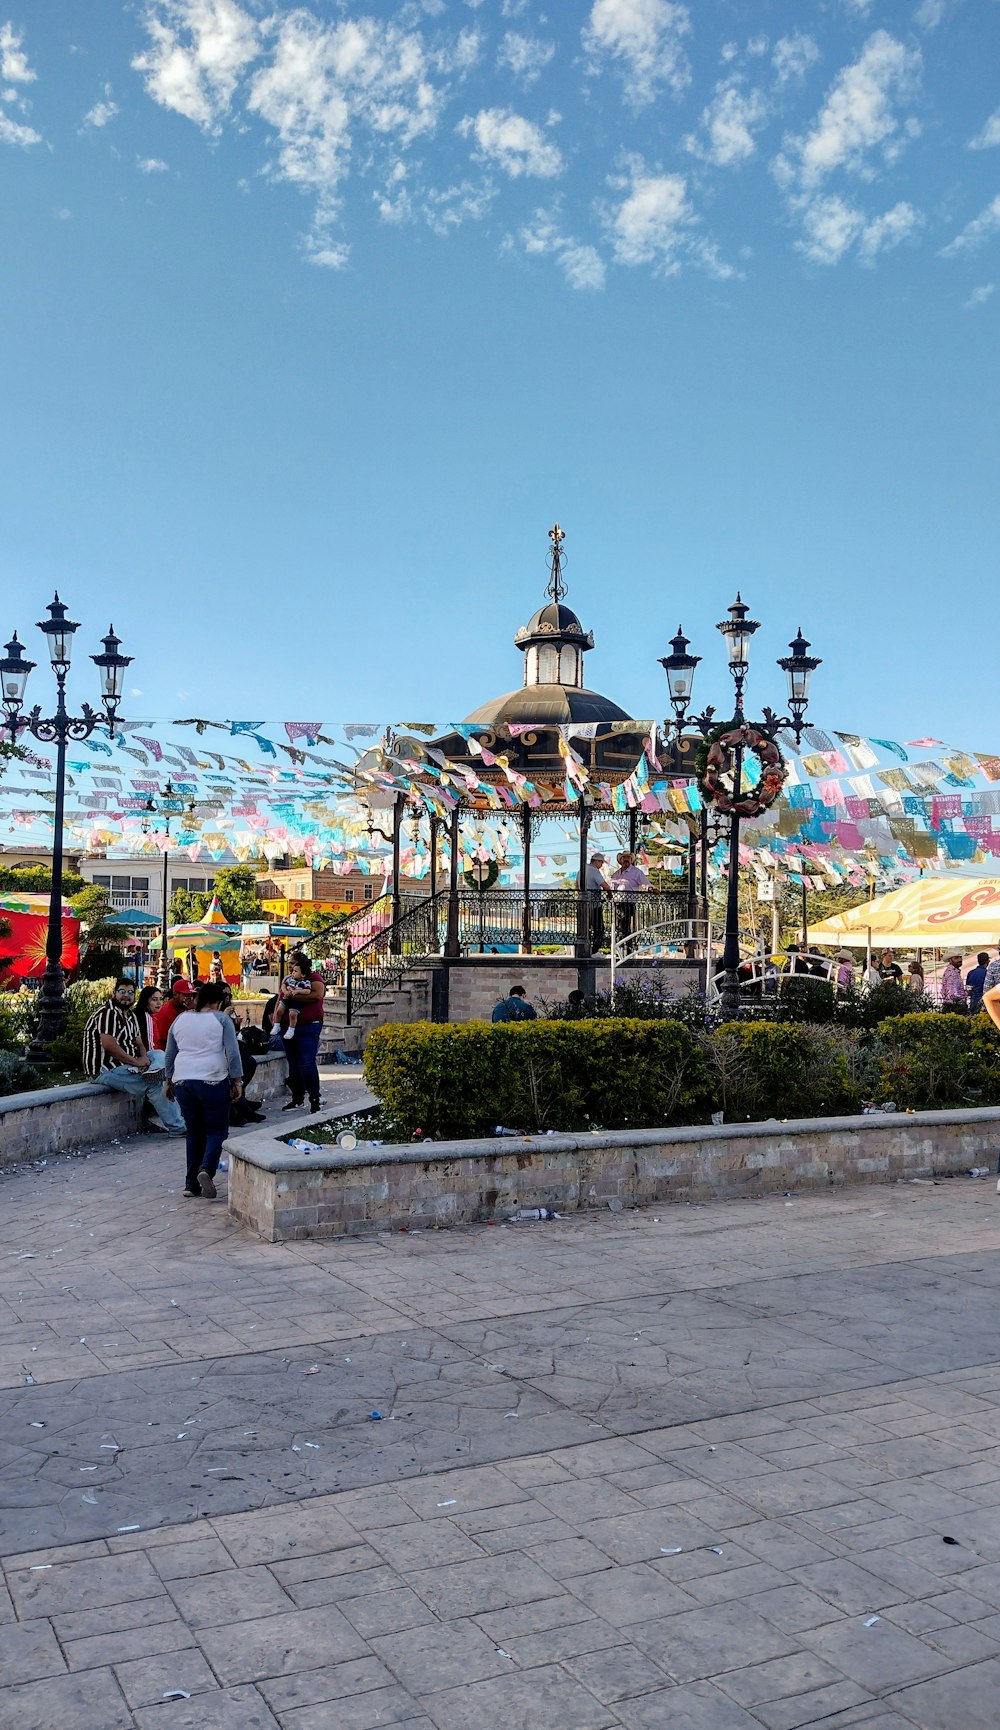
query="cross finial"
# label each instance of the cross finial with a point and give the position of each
(556, 586)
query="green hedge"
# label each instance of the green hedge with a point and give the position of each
(462, 1080)
(620, 1073)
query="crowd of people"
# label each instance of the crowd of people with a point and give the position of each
(190, 1054)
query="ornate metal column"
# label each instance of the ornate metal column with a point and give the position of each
(58, 729)
(526, 911)
(584, 946)
(452, 945)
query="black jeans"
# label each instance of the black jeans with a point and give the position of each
(205, 1109)
(303, 1075)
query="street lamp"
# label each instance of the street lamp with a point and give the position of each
(58, 729)
(738, 631)
(168, 809)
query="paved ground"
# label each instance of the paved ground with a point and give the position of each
(721, 1469)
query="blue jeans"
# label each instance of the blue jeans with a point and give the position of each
(122, 1080)
(205, 1105)
(303, 1075)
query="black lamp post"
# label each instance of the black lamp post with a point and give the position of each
(59, 728)
(738, 630)
(168, 808)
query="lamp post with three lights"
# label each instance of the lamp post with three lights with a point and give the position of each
(57, 729)
(737, 631)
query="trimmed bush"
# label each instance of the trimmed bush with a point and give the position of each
(926, 1060)
(453, 1080)
(17, 1074)
(785, 1069)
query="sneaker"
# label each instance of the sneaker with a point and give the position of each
(289, 1033)
(206, 1185)
(315, 1105)
(998, 1186)
(155, 1127)
(293, 1105)
(195, 1194)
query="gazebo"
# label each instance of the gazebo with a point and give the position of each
(525, 747)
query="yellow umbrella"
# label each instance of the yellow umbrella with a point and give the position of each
(935, 912)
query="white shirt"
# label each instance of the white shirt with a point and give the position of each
(198, 1048)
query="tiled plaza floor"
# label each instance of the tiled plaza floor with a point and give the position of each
(724, 1468)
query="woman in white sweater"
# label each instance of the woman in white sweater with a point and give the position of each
(204, 1069)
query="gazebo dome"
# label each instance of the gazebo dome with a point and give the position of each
(553, 643)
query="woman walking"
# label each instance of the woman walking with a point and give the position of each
(203, 1068)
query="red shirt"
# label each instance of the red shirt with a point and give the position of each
(165, 1017)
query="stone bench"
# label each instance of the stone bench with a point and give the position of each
(52, 1119)
(283, 1193)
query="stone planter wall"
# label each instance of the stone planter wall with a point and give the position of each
(52, 1119)
(282, 1193)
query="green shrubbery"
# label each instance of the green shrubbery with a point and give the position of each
(19, 1024)
(621, 1073)
(17, 1075)
(461, 1080)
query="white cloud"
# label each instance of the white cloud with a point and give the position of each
(729, 122)
(198, 51)
(14, 68)
(980, 295)
(12, 132)
(445, 208)
(831, 227)
(989, 134)
(102, 111)
(860, 7)
(525, 56)
(976, 233)
(655, 224)
(514, 143)
(857, 117)
(322, 77)
(793, 55)
(929, 14)
(151, 165)
(646, 37)
(582, 265)
(882, 233)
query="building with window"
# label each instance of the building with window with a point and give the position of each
(299, 889)
(136, 884)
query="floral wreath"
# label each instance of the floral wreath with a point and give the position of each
(489, 878)
(714, 761)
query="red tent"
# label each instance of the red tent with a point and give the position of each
(28, 918)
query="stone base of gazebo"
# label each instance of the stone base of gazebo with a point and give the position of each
(467, 987)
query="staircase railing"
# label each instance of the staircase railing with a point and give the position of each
(384, 957)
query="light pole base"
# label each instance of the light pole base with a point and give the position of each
(729, 995)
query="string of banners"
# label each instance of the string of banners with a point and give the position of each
(851, 806)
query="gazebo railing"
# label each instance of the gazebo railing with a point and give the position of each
(384, 957)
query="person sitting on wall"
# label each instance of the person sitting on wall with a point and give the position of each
(115, 1057)
(514, 1007)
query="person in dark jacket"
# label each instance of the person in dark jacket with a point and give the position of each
(514, 1007)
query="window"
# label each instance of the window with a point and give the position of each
(348, 894)
(125, 890)
(369, 891)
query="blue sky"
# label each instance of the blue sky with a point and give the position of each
(314, 319)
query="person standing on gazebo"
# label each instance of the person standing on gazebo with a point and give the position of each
(596, 886)
(627, 881)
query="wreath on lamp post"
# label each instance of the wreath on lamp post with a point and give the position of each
(489, 877)
(715, 762)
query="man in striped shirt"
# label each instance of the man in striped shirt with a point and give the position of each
(114, 1056)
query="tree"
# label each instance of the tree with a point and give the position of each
(236, 889)
(323, 940)
(37, 880)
